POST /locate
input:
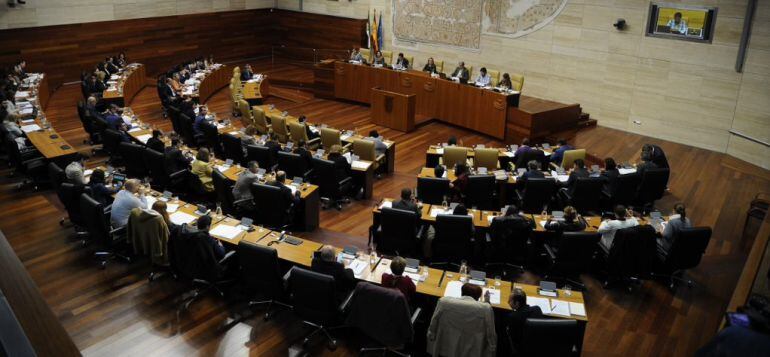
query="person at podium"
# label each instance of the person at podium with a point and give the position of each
(355, 55)
(483, 79)
(677, 25)
(460, 73)
(505, 82)
(430, 67)
(247, 74)
(401, 62)
(379, 59)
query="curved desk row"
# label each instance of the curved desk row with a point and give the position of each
(127, 85)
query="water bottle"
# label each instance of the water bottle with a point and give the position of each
(424, 274)
(373, 257)
(219, 210)
(444, 203)
(463, 272)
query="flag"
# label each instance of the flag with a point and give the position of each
(368, 33)
(375, 42)
(379, 34)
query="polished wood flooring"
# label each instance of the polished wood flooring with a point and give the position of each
(118, 312)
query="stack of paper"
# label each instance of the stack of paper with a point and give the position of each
(360, 165)
(387, 204)
(623, 171)
(144, 138)
(559, 307)
(435, 211)
(222, 168)
(172, 207)
(30, 128)
(181, 218)
(576, 308)
(561, 178)
(225, 231)
(543, 303)
(358, 266)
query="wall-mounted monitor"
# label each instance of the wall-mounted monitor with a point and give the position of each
(681, 22)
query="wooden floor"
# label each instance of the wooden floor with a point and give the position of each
(117, 312)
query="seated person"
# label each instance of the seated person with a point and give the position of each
(325, 262)
(161, 208)
(94, 87)
(523, 148)
(407, 202)
(483, 79)
(439, 171)
(341, 166)
(610, 174)
(623, 219)
(578, 171)
(533, 171)
(203, 225)
(467, 321)
(571, 222)
(355, 55)
(130, 197)
(505, 82)
(646, 163)
(558, 154)
(274, 145)
(168, 90)
(378, 59)
(460, 210)
(302, 151)
(675, 223)
(430, 66)
(187, 106)
(279, 181)
(460, 73)
(199, 120)
(242, 187)
(155, 141)
(656, 154)
(174, 159)
(519, 314)
(512, 219)
(396, 280)
(114, 120)
(379, 145)
(452, 141)
(202, 168)
(91, 108)
(100, 191)
(75, 173)
(401, 62)
(176, 83)
(247, 137)
(310, 134)
(246, 73)
(459, 185)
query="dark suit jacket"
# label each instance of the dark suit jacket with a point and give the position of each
(114, 121)
(167, 91)
(341, 166)
(574, 176)
(95, 88)
(517, 318)
(644, 166)
(246, 75)
(521, 182)
(404, 62)
(344, 278)
(310, 134)
(302, 152)
(564, 226)
(285, 190)
(610, 176)
(407, 206)
(429, 68)
(175, 160)
(156, 144)
(461, 73)
(274, 147)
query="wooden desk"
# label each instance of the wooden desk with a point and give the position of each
(393, 110)
(128, 84)
(255, 92)
(43, 92)
(298, 254)
(214, 80)
(46, 140)
(541, 120)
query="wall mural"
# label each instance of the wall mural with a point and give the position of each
(460, 23)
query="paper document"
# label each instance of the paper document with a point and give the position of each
(172, 207)
(363, 165)
(21, 94)
(546, 153)
(127, 119)
(144, 138)
(222, 168)
(344, 137)
(626, 171)
(543, 303)
(494, 295)
(133, 130)
(509, 153)
(225, 231)
(576, 308)
(416, 278)
(388, 204)
(542, 223)
(440, 151)
(358, 267)
(559, 307)
(490, 218)
(235, 133)
(30, 128)
(347, 157)
(453, 289)
(561, 178)
(181, 218)
(26, 111)
(293, 189)
(438, 210)
(28, 121)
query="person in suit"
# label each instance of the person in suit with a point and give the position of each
(646, 163)
(510, 221)
(452, 141)
(571, 222)
(280, 178)
(523, 148)
(187, 106)
(110, 66)
(274, 146)
(396, 280)
(459, 185)
(310, 134)
(122, 61)
(379, 145)
(325, 262)
(430, 67)
(483, 79)
(505, 82)
(246, 73)
(519, 314)
(460, 72)
(174, 158)
(155, 142)
(91, 108)
(341, 166)
(378, 59)
(533, 171)
(203, 225)
(401, 62)
(460, 210)
(610, 174)
(355, 55)
(100, 191)
(95, 87)
(304, 153)
(203, 168)
(168, 90)
(656, 154)
(558, 154)
(114, 120)
(578, 171)
(247, 138)
(242, 187)
(408, 203)
(200, 119)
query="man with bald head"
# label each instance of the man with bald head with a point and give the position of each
(461, 73)
(325, 262)
(130, 197)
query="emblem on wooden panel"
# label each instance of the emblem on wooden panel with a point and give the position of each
(406, 81)
(340, 70)
(499, 104)
(429, 86)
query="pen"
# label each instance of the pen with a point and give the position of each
(443, 272)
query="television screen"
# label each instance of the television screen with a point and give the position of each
(682, 22)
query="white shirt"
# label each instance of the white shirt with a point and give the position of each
(124, 202)
(608, 229)
(674, 27)
(483, 80)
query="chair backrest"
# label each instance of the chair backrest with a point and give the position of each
(509, 239)
(365, 150)
(576, 252)
(517, 81)
(480, 192)
(537, 194)
(453, 238)
(298, 131)
(313, 296)
(211, 135)
(432, 190)
(439, 65)
(133, 156)
(486, 158)
(260, 154)
(260, 269)
(549, 337)
(233, 148)
(270, 205)
(156, 165)
(652, 185)
(69, 195)
(688, 247)
(325, 177)
(586, 194)
(247, 117)
(494, 75)
(392, 327)
(532, 155)
(279, 127)
(330, 137)
(55, 175)
(624, 189)
(224, 190)
(398, 232)
(570, 156)
(194, 256)
(186, 125)
(633, 252)
(111, 139)
(260, 121)
(96, 220)
(388, 56)
(454, 155)
(293, 164)
(174, 113)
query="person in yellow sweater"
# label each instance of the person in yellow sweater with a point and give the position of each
(203, 169)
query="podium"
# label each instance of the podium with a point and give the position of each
(393, 110)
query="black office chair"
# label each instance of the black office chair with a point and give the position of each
(97, 222)
(173, 114)
(392, 329)
(432, 190)
(262, 155)
(537, 195)
(69, 195)
(398, 233)
(585, 197)
(271, 208)
(452, 243)
(294, 165)
(156, 167)
(177, 183)
(651, 187)
(188, 135)
(509, 245)
(480, 192)
(571, 256)
(548, 337)
(111, 139)
(233, 149)
(268, 283)
(623, 191)
(192, 258)
(133, 158)
(686, 251)
(631, 257)
(224, 190)
(196, 191)
(530, 155)
(314, 300)
(55, 175)
(211, 139)
(29, 163)
(87, 122)
(332, 190)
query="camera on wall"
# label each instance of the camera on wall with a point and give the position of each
(12, 3)
(620, 24)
